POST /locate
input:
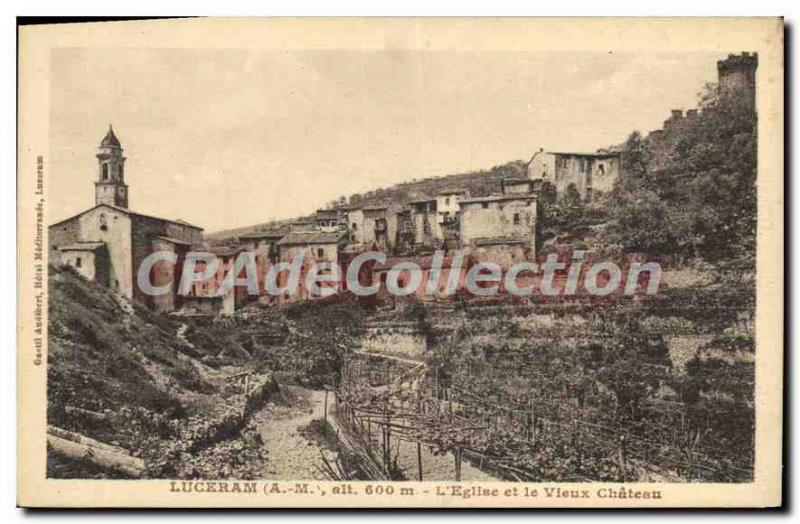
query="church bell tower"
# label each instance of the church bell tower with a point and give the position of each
(110, 187)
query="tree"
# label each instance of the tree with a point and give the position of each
(692, 192)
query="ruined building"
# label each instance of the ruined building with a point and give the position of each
(588, 173)
(736, 76)
(736, 79)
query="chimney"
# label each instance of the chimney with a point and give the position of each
(691, 113)
(677, 113)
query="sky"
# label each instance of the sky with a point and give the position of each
(230, 138)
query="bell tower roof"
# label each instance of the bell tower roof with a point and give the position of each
(110, 140)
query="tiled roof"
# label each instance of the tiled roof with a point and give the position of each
(456, 191)
(110, 140)
(496, 198)
(494, 241)
(82, 246)
(173, 240)
(577, 153)
(128, 212)
(222, 251)
(298, 238)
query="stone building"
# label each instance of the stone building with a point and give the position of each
(380, 226)
(736, 76)
(355, 224)
(736, 79)
(447, 206)
(264, 246)
(205, 298)
(589, 173)
(425, 221)
(108, 242)
(505, 221)
(317, 247)
(327, 219)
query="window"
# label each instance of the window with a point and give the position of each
(320, 252)
(516, 219)
(105, 171)
(447, 201)
(355, 226)
(485, 205)
(120, 172)
(103, 222)
(602, 169)
(77, 261)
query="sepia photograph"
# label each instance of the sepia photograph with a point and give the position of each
(370, 262)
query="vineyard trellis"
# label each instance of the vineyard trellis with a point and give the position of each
(402, 400)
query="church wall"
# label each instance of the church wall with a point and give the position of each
(117, 237)
(143, 231)
(189, 234)
(61, 235)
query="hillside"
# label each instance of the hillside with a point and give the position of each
(127, 379)
(479, 183)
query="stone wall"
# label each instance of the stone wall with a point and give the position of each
(394, 338)
(498, 220)
(105, 224)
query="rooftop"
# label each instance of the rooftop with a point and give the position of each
(298, 238)
(498, 198)
(495, 241)
(128, 212)
(82, 246)
(110, 140)
(173, 240)
(594, 154)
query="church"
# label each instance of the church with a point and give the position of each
(107, 243)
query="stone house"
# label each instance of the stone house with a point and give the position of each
(327, 219)
(447, 206)
(380, 226)
(505, 222)
(355, 224)
(204, 298)
(589, 173)
(424, 217)
(317, 247)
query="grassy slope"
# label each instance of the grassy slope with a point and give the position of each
(106, 355)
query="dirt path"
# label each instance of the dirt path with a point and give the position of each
(290, 455)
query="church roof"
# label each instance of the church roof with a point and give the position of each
(127, 212)
(83, 246)
(110, 140)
